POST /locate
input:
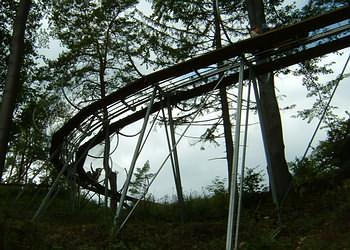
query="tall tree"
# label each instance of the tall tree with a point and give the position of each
(12, 81)
(223, 94)
(94, 60)
(182, 30)
(217, 23)
(280, 178)
(36, 108)
(98, 42)
(185, 29)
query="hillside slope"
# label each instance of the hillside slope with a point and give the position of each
(317, 218)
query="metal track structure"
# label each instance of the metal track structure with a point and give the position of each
(282, 47)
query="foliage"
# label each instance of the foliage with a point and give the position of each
(8, 11)
(141, 179)
(218, 186)
(182, 30)
(320, 6)
(252, 182)
(329, 160)
(333, 152)
(98, 42)
(313, 70)
(30, 137)
(96, 57)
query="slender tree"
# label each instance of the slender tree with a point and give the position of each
(280, 178)
(98, 44)
(13, 80)
(184, 29)
(223, 94)
(36, 107)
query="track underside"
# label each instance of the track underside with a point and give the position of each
(281, 48)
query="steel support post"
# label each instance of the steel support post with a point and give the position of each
(113, 183)
(175, 161)
(49, 194)
(46, 200)
(134, 159)
(105, 124)
(242, 166)
(233, 186)
(263, 133)
(168, 142)
(167, 157)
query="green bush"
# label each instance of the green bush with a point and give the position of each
(328, 164)
(253, 179)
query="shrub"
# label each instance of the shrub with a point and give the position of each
(327, 164)
(252, 182)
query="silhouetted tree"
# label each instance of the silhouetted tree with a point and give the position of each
(13, 79)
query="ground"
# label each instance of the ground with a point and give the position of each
(317, 218)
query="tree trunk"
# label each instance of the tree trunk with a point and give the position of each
(105, 124)
(12, 82)
(113, 183)
(227, 131)
(21, 168)
(223, 98)
(280, 178)
(106, 153)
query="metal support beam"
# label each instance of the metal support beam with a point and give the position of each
(175, 164)
(210, 94)
(113, 182)
(134, 159)
(233, 186)
(242, 166)
(69, 157)
(106, 153)
(49, 194)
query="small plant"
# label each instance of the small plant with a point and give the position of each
(217, 187)
(141, 180)
(252, 182)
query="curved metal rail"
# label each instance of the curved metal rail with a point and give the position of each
(283, 47)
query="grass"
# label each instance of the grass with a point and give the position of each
(315, 220)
